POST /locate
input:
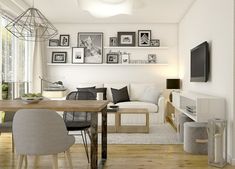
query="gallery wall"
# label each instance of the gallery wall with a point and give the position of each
(75, 74)
(212, 21)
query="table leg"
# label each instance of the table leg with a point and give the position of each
(94, 140)
(104, 134)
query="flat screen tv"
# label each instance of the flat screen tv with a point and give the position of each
(200, 63)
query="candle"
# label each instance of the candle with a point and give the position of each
(218, 148)
(99, 96)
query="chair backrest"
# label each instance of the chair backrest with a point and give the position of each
(39, 132)
(79, 95)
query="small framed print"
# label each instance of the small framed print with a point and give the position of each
(125, 59)
(113, 41)
(59, 57)
(155, 42)
(112, 58)
(78, 55)
(144, 37)
(64, 40)
(54, 42)
(126, 38)
(152, 58)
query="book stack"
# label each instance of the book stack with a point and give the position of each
(191, 109)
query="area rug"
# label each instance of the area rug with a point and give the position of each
(158, 134)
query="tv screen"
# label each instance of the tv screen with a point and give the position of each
(200, 63)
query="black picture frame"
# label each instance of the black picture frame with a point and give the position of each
(81, 52)
(113, 41)
(112, 58)
(94, 50)
(155, 42)
(59, 57)
(54, 42)
(126, 38)
(64, 40)
(144, 38)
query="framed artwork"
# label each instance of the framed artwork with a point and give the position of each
(144, 37)
(126, 38)
(93, 44)
(125, 59)
(64, 40)
(112, 58)
(54, 42)
(113, 41)
(59, 57)
(78, 55)
(152, 58)
(155, 42)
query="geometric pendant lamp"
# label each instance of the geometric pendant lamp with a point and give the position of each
(32, 25)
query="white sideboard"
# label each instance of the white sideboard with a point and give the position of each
(206, 106)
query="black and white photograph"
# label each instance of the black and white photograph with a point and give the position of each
(54, 42)
(126, 38)
(112, 58)
(78, 55)
(125, 59)
(155, 42)
(144, 37)
(113, 41)
(93, 44)
(64, 40)
(59, 57)
(152, 58)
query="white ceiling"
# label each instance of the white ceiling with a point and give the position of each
(145, 11)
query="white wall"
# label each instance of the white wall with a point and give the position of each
(212, 21)
(73, 75)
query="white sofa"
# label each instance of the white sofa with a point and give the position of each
(141, 96)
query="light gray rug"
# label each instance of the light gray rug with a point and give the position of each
(159, 134)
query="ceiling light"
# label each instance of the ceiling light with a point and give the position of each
(32, 25)
(107, 8)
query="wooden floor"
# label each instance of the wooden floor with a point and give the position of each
(119, 157)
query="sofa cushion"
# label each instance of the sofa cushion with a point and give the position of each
(115, 86)
(137, 90)
(151, 94)
(152, 108)
(120, 95)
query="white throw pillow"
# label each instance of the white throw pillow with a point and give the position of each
(151, 95)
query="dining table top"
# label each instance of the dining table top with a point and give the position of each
(58, 105)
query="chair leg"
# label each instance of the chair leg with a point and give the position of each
(85, 144)
(20, 162)
(68, 157)
(35, 163)
(12, 144)
(26, 161)
(55, 161)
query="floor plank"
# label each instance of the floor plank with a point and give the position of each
(119, 157)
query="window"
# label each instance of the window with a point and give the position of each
(14, 62)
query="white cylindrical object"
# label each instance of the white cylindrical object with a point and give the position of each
(218, 148)
(99, 96)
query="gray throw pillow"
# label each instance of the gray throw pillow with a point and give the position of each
(120, 95)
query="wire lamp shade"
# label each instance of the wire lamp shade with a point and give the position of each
(172, 83)
(26, 26)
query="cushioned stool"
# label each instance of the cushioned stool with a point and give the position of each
(195, 137)
(182, 118)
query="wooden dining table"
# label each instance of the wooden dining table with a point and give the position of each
(92, 106)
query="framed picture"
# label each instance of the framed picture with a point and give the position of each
(155, 42)
(78, 55)
(93, 44)
(113, 41)
(64, 40)
(152, 58)
(125, 59)
(54, 42)
(112, 58)
(144, 37)
(59, 57)
(126, 38)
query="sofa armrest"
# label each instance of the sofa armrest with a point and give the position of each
(161, 109)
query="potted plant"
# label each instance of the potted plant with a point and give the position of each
(4, 90)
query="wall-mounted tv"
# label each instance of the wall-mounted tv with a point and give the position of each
(200, 65)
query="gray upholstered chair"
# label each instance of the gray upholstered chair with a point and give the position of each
(41, 132)
(6, 125)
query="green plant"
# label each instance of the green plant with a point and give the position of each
(4, 87)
